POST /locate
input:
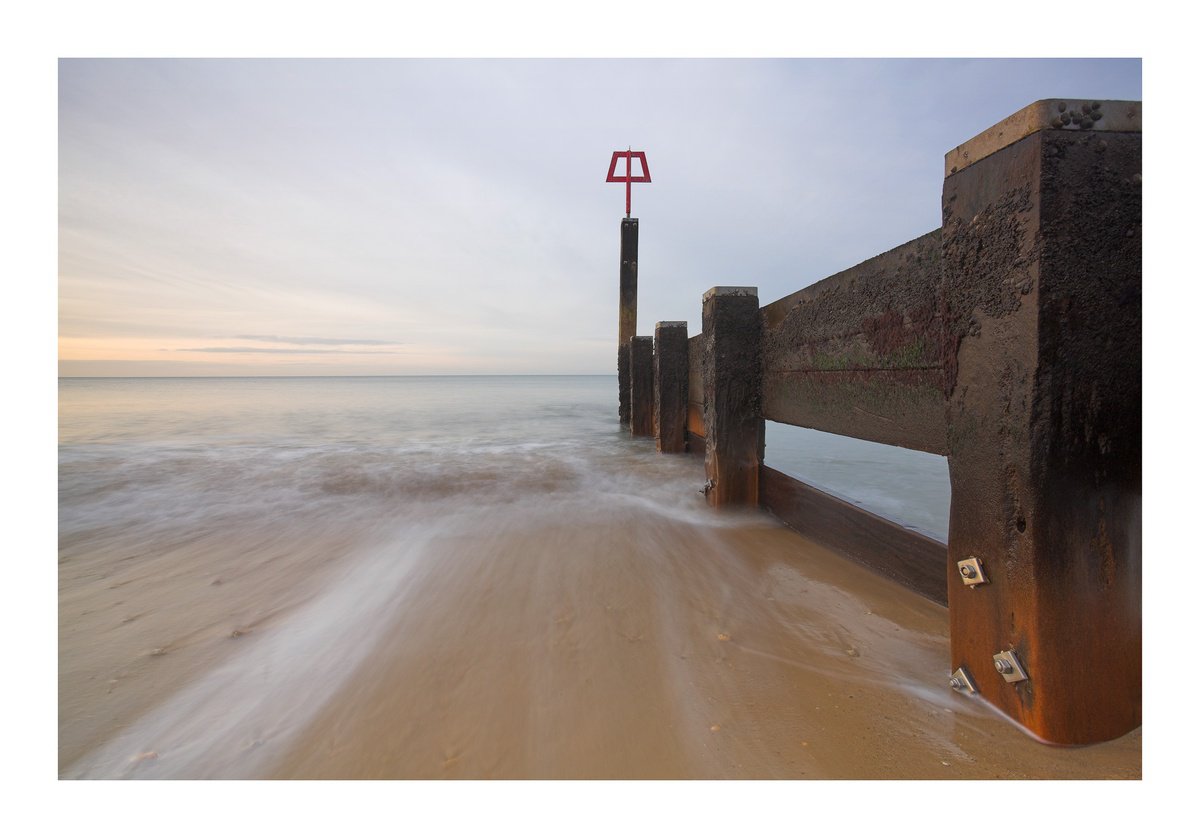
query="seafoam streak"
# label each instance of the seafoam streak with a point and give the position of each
(235, 722)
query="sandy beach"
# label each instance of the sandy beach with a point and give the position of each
(518, 648)
(316, 579)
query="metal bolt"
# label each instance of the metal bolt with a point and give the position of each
(1009, 666)
(960, 679)
(967, 571)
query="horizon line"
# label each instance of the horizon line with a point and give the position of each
(393, 375)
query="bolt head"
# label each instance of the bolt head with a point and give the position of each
(967, 571)
(955, 684)
(1003, 667)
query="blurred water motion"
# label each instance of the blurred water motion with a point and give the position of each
(468, 577)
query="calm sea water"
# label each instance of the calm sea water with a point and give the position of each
(909, 487)
(134, 449)
(289, 516)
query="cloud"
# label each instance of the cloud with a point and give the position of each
(317, 341)
(462, 203)
(273, 350)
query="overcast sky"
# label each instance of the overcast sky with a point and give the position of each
(300, 217)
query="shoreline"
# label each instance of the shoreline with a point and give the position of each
(533, 649)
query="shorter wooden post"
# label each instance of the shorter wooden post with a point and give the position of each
(671, 386)
(641, 389)
(733, 425)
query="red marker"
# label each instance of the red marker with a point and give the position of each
(628, 177)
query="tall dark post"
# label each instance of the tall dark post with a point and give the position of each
(671, 386)
(733, 424)
(641, 389)
(627, 321)
(1042, 281)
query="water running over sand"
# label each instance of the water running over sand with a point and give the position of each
(469, 578)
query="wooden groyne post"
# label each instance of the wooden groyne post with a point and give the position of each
(641, 385)
(733, 424)
(671, 386)
(1041, 248)
(1007, 340)
(627, 316)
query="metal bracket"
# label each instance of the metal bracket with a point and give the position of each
(962, 681)
(1009, 667)
(971, 571)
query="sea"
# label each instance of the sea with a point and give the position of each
(371, 577)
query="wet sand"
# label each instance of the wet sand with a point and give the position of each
(616, 642)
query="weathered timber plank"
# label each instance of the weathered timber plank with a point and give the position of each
(860, 353)
(906, 557)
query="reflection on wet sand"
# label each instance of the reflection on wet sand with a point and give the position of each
(318, 579)
(511, 643)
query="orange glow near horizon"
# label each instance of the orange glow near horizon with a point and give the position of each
(233, 356)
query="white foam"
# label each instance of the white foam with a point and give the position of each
(238, 719)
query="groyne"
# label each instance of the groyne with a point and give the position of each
(1007, 340)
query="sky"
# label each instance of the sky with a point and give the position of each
(307, 174)
(451, 216)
